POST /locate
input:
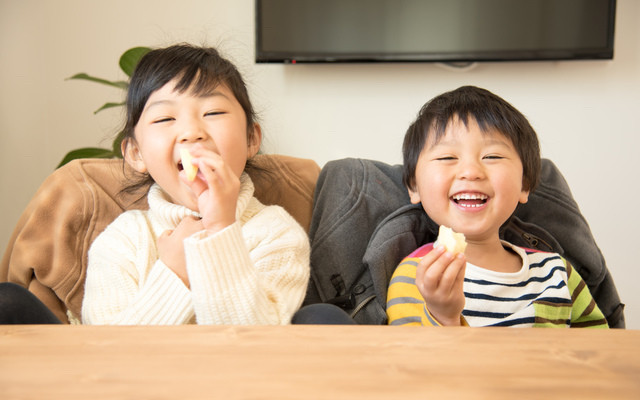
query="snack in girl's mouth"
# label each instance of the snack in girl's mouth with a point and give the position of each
(190, 169)
(452, 241)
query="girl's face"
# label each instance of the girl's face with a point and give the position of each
(171, 120)
(470, 181)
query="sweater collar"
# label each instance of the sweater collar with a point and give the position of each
(171, 214)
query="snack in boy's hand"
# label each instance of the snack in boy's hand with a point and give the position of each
(454, 242)
(190, 169)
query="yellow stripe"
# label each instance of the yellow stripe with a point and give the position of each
(405, 289)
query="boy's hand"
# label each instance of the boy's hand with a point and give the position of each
(439, 277)
(171, 246)
(217, 188)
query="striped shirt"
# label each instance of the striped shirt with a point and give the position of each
(546, 292)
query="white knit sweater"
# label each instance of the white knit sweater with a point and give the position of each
(255, 271)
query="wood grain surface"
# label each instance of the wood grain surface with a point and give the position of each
(316, 362)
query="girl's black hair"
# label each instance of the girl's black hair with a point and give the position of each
(490, 111)
(198, 69)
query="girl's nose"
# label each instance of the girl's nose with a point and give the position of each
(192, 134)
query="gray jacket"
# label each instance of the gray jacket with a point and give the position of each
(363, 225)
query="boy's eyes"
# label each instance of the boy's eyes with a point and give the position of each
(487, 157)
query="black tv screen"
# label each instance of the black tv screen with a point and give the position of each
(292, 31)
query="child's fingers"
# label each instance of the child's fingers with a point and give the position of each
(453, 275)
(203, 156)
(164, 236)
(188, 226)
(430, 258)
(435, 272)
(212, 172)
(219, 177)
(425, 262)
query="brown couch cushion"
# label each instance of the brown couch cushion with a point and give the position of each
(47, 251)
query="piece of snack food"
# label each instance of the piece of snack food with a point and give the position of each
(454, 242)
(190, 169)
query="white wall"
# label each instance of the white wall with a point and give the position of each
(586, 113)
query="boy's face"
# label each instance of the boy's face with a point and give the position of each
(469, 181)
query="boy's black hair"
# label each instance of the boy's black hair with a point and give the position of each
(490, 112)
(198, 69)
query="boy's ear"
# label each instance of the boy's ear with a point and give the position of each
(524, 196)
(131, 154)
(524, 193)
(254, 141)
(414, 196)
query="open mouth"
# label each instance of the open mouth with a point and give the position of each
(470, 200)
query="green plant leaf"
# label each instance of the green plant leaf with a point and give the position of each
(87, 77)
(86, 152)
(129, 59)
(108, 105)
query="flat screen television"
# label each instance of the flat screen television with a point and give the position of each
(447, 31)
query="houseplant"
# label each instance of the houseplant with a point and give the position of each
(128, 60)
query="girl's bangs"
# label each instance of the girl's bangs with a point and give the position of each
(198, 81)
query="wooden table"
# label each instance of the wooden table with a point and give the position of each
(316, 362)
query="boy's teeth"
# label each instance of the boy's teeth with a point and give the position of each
(471, 205)
(467, 196)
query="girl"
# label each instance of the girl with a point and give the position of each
(206, 251)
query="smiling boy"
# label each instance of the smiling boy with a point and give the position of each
(470, 158)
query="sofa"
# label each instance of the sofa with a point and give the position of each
(47, 251)
(355, 211)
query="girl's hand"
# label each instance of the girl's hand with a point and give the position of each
(171, 246)
(217, 188)
(439, 277)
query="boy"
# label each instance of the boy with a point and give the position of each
(469, 159)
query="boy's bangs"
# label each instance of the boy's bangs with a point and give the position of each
(439, 124)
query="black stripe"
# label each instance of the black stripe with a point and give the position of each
(514, 322)
(527, 296)
(484, 314)
(519, 284)
(546, 260)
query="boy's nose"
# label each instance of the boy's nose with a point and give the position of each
(471, 170)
